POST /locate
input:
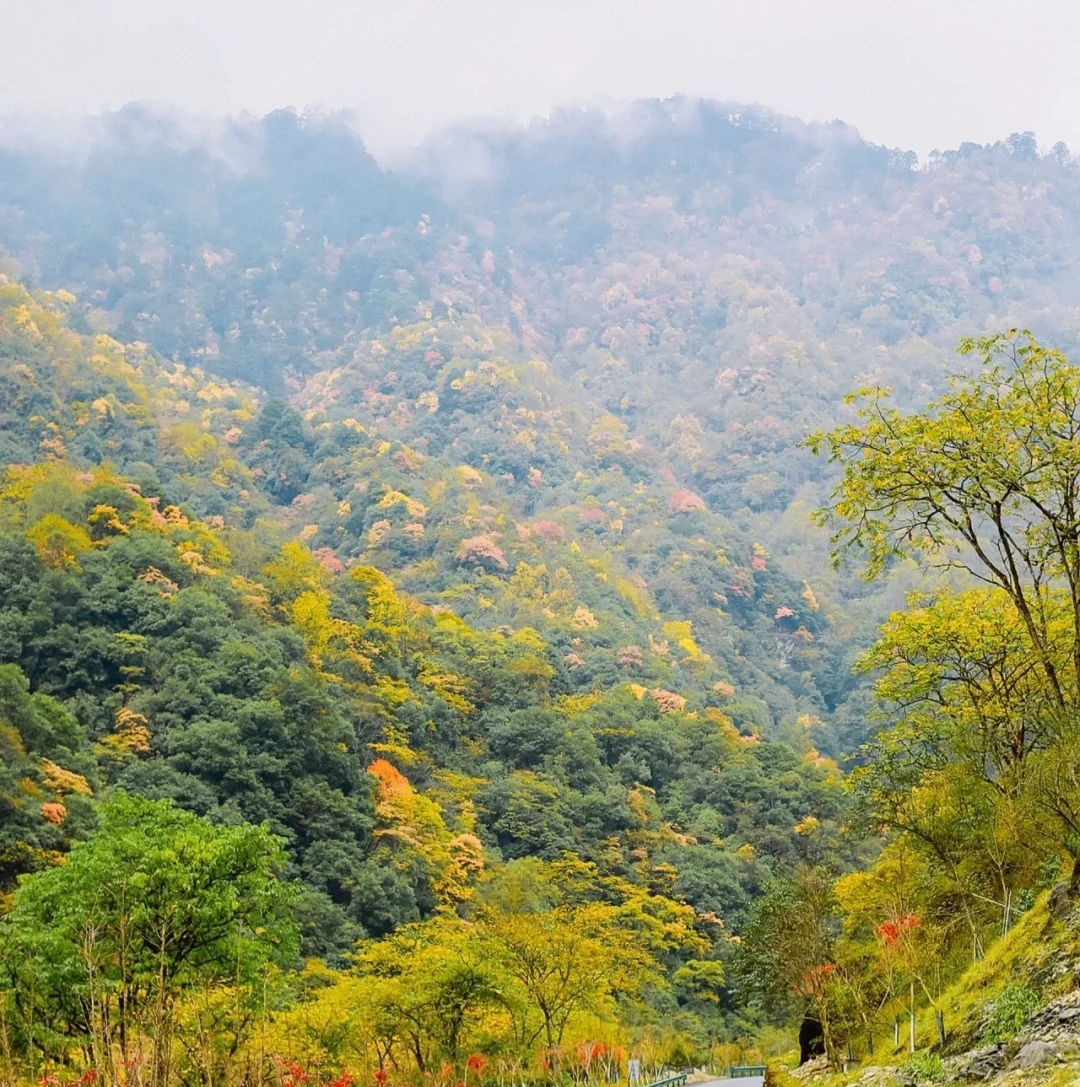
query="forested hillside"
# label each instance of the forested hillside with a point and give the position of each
(454, 522)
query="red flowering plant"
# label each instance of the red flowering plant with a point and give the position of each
(84, 1079)
(291, 1073)
(591, 1063)
(891, 931)
(475, 1064)
(814, 982)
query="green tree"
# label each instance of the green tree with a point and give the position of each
(785, 959)
(99, 951)
(986, 478)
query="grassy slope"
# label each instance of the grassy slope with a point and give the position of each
(1041, 953)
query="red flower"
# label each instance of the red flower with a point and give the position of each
(891, 931)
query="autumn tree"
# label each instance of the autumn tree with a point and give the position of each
(986, 479)
(566, 960)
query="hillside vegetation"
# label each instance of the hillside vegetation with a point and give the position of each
(417, 655)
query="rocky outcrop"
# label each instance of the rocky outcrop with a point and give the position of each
(819, 1066)
(1050, 1037)
(981, 1064)
(884, 1077)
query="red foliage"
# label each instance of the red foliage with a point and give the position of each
(592, 516)
(758, 563)
(685, 502)
(891, 931)
(815, 979)
(482, 551)
(291, 1073)
(549, 530)
(88, 1077)
(630, 656)
(590, 1051)
(328, 560)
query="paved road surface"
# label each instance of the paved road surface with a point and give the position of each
(743, 1081)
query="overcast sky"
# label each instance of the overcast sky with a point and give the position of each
(918, 74)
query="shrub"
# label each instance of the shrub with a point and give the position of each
(1009, 1011)
(927, 1068)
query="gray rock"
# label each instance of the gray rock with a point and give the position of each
(982, 1063)
(874, 1076)
(819, 1066)
(1060, 902)
(1036, 1053)
(1059, 1020)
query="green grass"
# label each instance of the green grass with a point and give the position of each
(990, 1001)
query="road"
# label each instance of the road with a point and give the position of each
(742, 1081)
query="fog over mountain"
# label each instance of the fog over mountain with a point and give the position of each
(907, 73)
(424, 659)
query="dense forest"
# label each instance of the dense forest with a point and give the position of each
(422, 656)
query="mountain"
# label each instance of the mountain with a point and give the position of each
(454, 520)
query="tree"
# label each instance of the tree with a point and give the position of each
(430, 985)
(957, 768)
(565, 960)
(785, 959)
(101, 949)
(45, 764)
(987, 478)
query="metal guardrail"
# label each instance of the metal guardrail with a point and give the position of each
(746, 1071)
(677, 1080)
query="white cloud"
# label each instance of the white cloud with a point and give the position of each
(910, 73)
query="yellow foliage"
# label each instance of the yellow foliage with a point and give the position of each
(450, 687)
(583, 619)
(396, 747)
(573, 704)
(106, 520)
(58, 541)
(130, 735)
(417, 511)
(294, 571)
(61, 781)
(682, 634)
(636, 598)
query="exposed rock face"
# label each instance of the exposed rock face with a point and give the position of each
(819, 1066)
(1032, 1054)
(884, 1077)
(1060, 903)
(1059, 1020)
(982, 1063)
(1050, 1036)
